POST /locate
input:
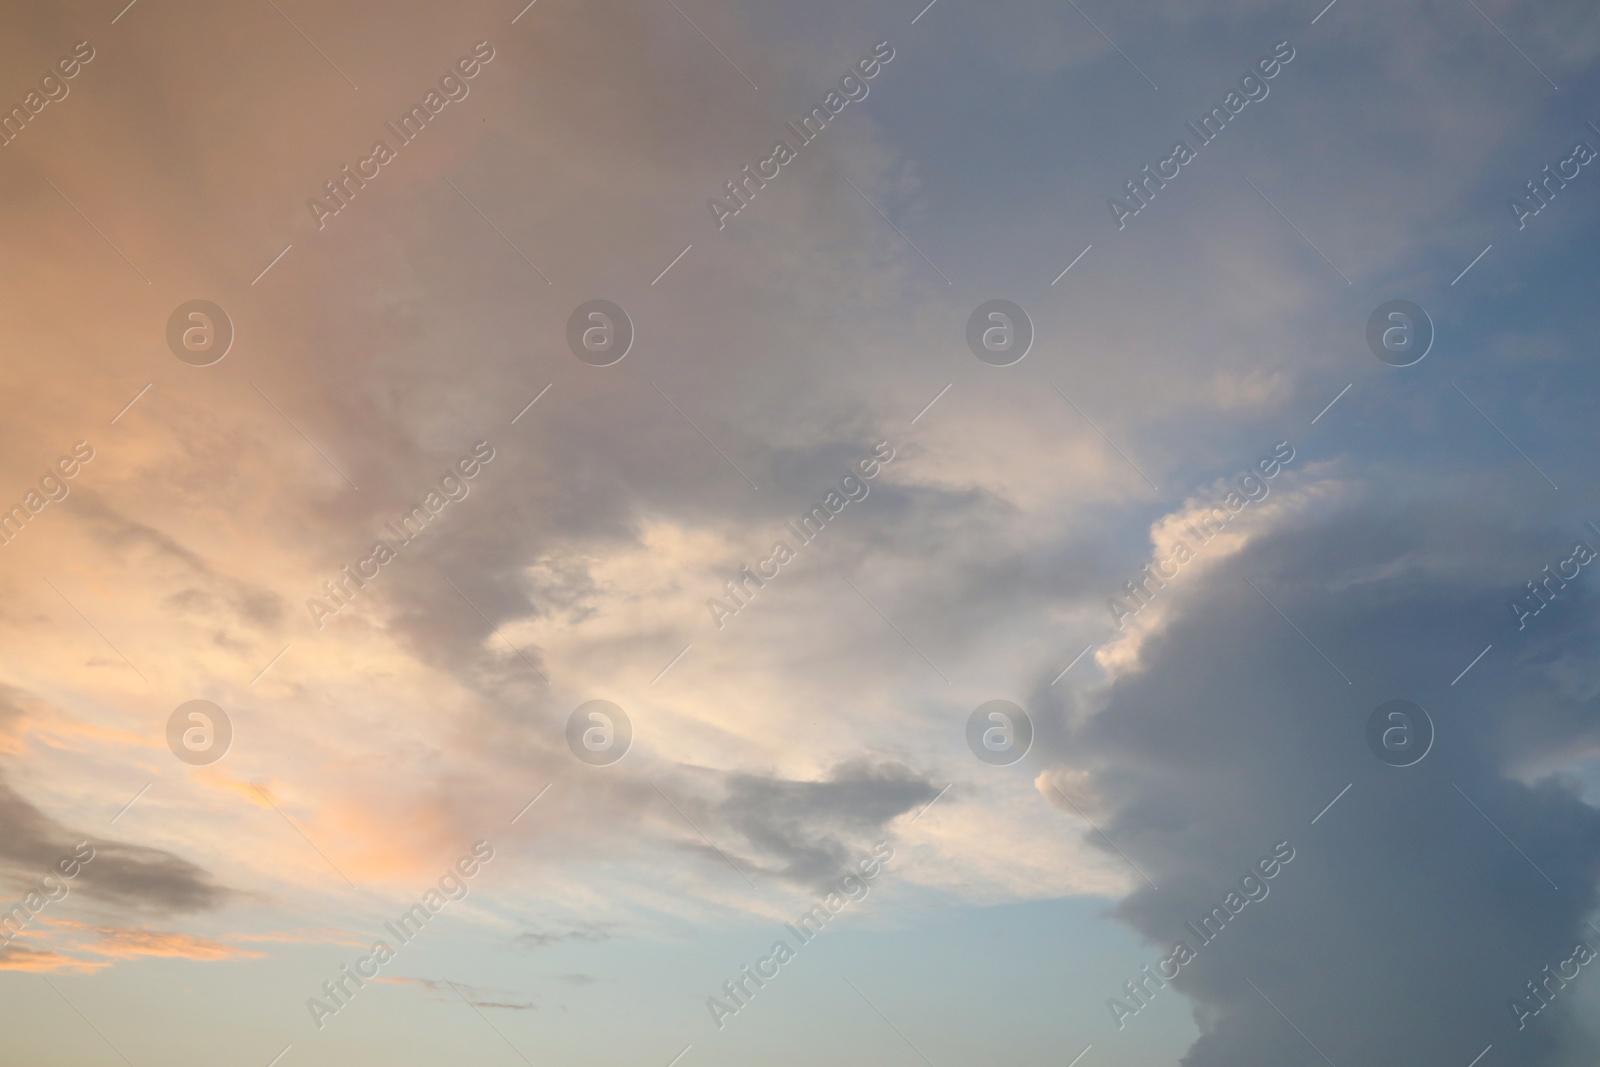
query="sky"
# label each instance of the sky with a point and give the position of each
(469, 592)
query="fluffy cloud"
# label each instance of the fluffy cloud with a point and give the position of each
(1232, 733)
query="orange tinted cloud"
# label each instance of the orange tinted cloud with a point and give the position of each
(120, 943)
(45, 961)
(305, 937)
(116, 943)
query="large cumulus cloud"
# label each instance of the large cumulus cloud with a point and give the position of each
(1426, 898)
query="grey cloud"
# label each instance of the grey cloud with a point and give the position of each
(1406, 922)
(121, 875)
(227, 601)
(135, 876)
(592, 933)
(576, 979)
(451, 992)
(807, 832)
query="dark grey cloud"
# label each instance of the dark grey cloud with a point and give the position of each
(1406, 922)
(138, 877)
(124, 876)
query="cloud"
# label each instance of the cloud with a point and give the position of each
(592, 934)
(139, 877)
(71, 946)
(15, 957)
(808, 832)
(121, 875)
(576, 979)
(303, 937)
(1410, 917)
(454, 991)
(124, 943)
